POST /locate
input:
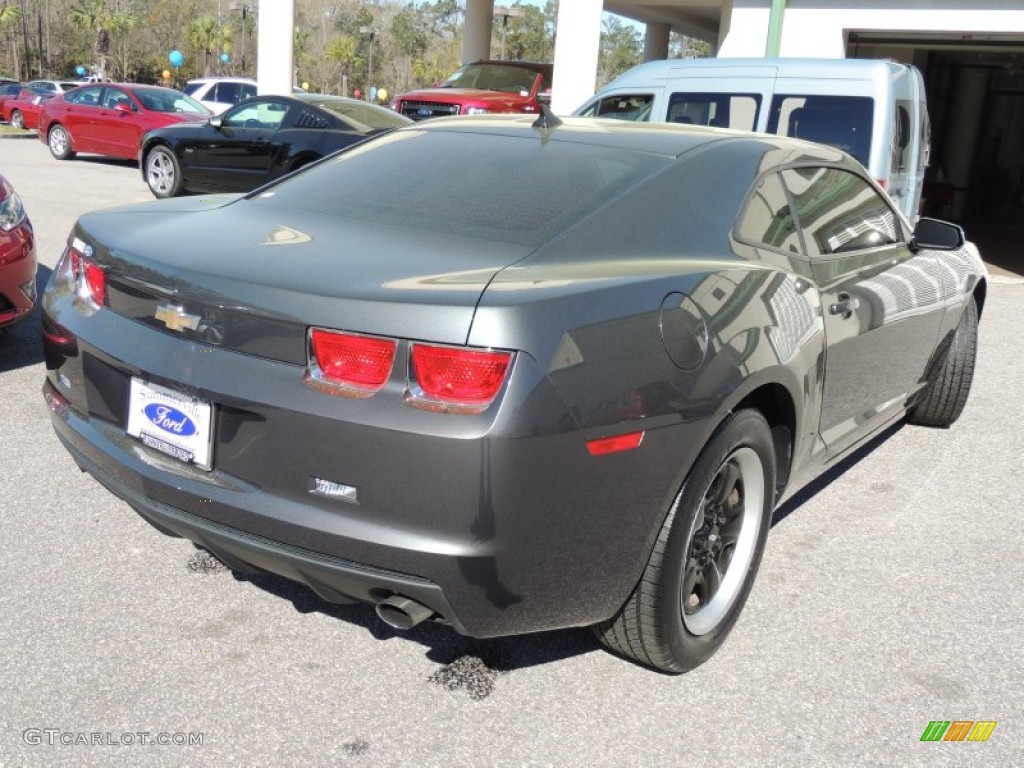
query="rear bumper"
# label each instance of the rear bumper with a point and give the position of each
(334, 579)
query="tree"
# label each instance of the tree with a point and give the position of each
(344, 51)
(9, 17)
(621, 49)
(96, 16)
(203, 35)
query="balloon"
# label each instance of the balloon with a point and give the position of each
(357, 93)
(373, 93)
(80, 70)
(225, 58)
(167, 74)
(382, 94)
(176, 58)
(305, 86)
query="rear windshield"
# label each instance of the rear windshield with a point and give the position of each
(365, 117)
(508, 189)
(843, 122)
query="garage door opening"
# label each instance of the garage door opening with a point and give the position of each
(975, 90)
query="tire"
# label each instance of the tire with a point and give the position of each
(949, 382)
(163, 172)
(706, 555)
(59, 141)
(17, 119)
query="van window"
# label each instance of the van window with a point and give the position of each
(720, 110)
(839, 211)
(843, 122)
(624, 106)
(901, 135)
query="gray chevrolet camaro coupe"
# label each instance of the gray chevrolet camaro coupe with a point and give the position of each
(508, 375)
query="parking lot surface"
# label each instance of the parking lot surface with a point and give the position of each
(890, 596)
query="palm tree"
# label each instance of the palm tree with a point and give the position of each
(344, 51)
(95, 15)
(202, 34)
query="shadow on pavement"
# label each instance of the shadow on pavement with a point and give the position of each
(444, 645)
(833, 473)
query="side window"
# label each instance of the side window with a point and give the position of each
(901, 135)
(839, 211)
(89, 96)
(113, 97)
(767, 218)
(228, 93)
(248, 91)
(843, 122)
(719, 110)
(625, 106)
(260, 114)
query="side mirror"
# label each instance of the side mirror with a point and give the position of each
(217, 122)
(124, 106)
(937, 235)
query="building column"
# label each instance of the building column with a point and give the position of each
(577, 45)
(476, 33)
(275, 67)
(656, 41)
(962, 134)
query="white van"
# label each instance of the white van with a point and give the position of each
(874, 110)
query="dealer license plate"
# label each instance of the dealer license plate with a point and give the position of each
(171, 422)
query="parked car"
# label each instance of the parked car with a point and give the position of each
(256, 141)
(17, 258)
(874, 110)
(480, 88)
(53, 86)
(10, 91)
(23, 111)
(512, 375)
(110, 119)
(220, 93)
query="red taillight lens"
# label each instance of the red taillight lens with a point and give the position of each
(359, 362)
(89, 277)
(459, 376)
(883, 183)
(96, 279)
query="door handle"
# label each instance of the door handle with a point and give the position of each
(846, 306)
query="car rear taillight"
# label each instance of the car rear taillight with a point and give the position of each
(349, 363)
(83, 276)
(96, 281)
(456, 376)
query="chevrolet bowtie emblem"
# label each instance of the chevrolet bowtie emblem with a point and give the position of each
(176, 318)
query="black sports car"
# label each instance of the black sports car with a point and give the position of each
(558, 376)
(257, 141)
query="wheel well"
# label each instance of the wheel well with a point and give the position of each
(776, 405)
(980, 292)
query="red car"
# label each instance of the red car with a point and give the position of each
(508, 87)
(111, 118)
(17, 258)
(23, 111)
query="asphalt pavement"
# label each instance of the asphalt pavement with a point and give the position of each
(890, 596)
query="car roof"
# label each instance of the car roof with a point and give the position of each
(246, 80)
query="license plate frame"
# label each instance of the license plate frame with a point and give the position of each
(171, 422)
